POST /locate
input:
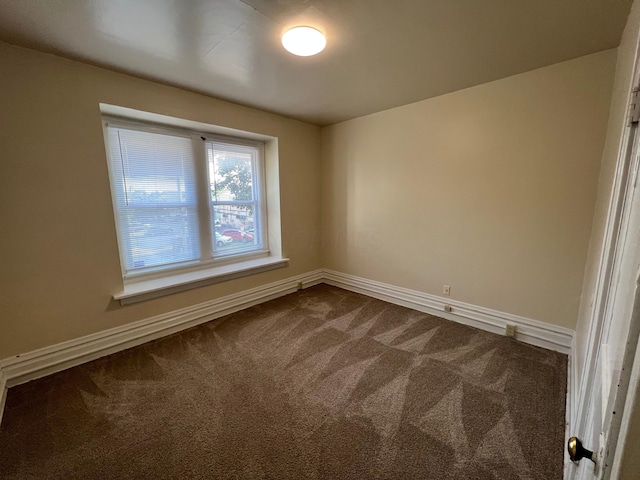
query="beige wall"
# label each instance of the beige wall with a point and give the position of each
(59, 262)
(490, 190)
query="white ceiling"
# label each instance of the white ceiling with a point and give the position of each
(380, 53)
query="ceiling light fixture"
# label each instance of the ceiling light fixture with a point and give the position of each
(303, 41)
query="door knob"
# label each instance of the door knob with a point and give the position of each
(577, 452)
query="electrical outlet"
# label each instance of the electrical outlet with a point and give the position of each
(510, 331)
(446, 290)
(447, 308)
(299, 285)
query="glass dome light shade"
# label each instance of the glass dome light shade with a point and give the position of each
(303, 41)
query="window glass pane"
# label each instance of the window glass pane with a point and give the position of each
(234, 228)
(231, 172)
(155, 190)
(233, 187)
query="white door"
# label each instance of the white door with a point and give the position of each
(620, 335)
(614, 336)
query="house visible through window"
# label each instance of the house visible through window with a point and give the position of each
(184, 198)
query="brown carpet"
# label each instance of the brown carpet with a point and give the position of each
(320, 384)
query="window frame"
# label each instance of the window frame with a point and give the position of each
(211, 264)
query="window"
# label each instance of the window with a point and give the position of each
(184, 200)
(235, 195)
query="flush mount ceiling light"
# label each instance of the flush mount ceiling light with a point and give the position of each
(303, 41)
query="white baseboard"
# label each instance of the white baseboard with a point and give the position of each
(529, 331)
(3, 393)
(48, 360)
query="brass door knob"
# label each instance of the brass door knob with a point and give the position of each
(577, 452)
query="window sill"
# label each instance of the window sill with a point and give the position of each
(138, 291)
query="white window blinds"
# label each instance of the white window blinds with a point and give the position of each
(154, 189)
